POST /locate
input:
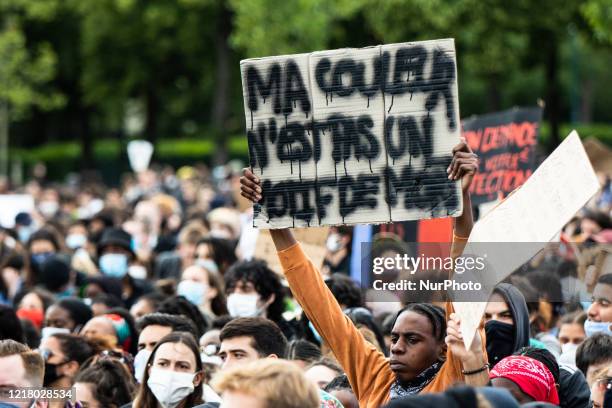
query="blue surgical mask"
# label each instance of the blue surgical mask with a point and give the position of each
(75, 241)
(40, 258)
(192, 291)
(24, 234)
(114, 265)
(591, 327)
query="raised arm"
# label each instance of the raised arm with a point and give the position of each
(463, 167)
(366, 368)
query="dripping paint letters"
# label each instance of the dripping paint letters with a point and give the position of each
(353, 135)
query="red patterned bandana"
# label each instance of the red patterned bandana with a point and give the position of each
(532, 377)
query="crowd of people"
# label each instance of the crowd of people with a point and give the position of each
(151, 295)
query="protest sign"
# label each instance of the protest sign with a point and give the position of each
(353, 135)
(505, 143)
(533, 214)
(13, 204)
(312, 241)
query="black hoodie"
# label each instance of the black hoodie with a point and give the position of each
(499, 342)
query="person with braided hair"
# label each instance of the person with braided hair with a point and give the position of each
(426, 355)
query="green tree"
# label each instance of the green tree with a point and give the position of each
(25, 70)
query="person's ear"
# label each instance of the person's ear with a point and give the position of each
(72, 368)
(197, 379)
(274, 356)
(442, 351)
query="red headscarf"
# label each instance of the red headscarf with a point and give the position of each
(532, 377)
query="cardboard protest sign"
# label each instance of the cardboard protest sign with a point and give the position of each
(533, 214)
(505, 143)
(139, 154)
(353, 135)
(312, 241)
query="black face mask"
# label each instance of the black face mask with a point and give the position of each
(500, 340)
(51, 374)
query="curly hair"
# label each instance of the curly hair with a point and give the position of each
(345, 290)
(265, 281)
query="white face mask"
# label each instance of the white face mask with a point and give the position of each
(75, 241)
(333, 243)
(568, 348)
(170, 387)
(140, 364)
(243, 305)
(50, 331)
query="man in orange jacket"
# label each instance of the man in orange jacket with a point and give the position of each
(427, 353)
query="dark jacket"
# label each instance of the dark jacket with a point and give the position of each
(574, 392)
(518, 307)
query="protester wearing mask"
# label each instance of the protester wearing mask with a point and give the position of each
(506, 322)
(66, 316)
(64, 354)
(105, 384)
(32, 305)
(571, 335)
(219, 250)
(76, 236)
(170, 264)
(152, 329)
(42, 245)
(202, 285)
(338, 255)
(49, 204)
(173, 377)
(507, 331)
(114, 257)
(600, 312)
(253, 289)
(24, 227)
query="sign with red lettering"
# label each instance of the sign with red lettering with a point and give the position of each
(505, 143)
